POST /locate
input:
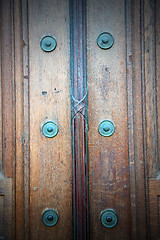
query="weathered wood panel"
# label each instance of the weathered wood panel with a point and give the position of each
(154, 200)
(7, 88)
(6, 121)
(50, 158)
(124, 87)
(108, 157)
(151, 88)
(138, 89)
(6, 222)
(157, 36)
(152, 111)
(19, 161)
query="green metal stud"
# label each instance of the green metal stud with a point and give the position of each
(49, 129)
(48, 43)
(50, 217)
(105, 40)
(106, 128)
(109, 218)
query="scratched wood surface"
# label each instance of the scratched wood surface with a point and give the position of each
(19, 161)
(50, 158)
(154, 201)
(108, 157)
(6, 122)
(152, 110)
(138, 88)
(7, 87)
(151, 88)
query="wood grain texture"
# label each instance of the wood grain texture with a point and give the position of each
(18, 78)
(151, 88)
(130, 116)
(154, 203)
(6, 209)
(6, 88)
(139, 125)
(124, 87)
(157, 33)
(26, 119)
(109, 174)
(50, 158)
(6, 121)
(152, 37)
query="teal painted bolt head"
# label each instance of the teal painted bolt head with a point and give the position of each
(48, 43)
(105, 40)
(50, 217)
(106, 128)
(109, 218)
(50, 129)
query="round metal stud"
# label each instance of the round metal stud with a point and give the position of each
(106, 128)
(109, 218)
(50, 217)
(48, 43)
(105, 40)
(50, 129)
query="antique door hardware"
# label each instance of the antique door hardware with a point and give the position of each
(50, 129)
(106, 128)
(105, 40)
(50, 217)
(48, 43)
(109, 218)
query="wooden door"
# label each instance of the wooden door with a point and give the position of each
(79, 173)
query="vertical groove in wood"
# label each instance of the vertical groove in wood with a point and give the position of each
(157, 42)
(137, 82)
(26, 123)
(1, 161)
(129, 84)
(144, 125)
(151, 110)
(79, 120)
(13, 120)
(18, 78)
(150, 88)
